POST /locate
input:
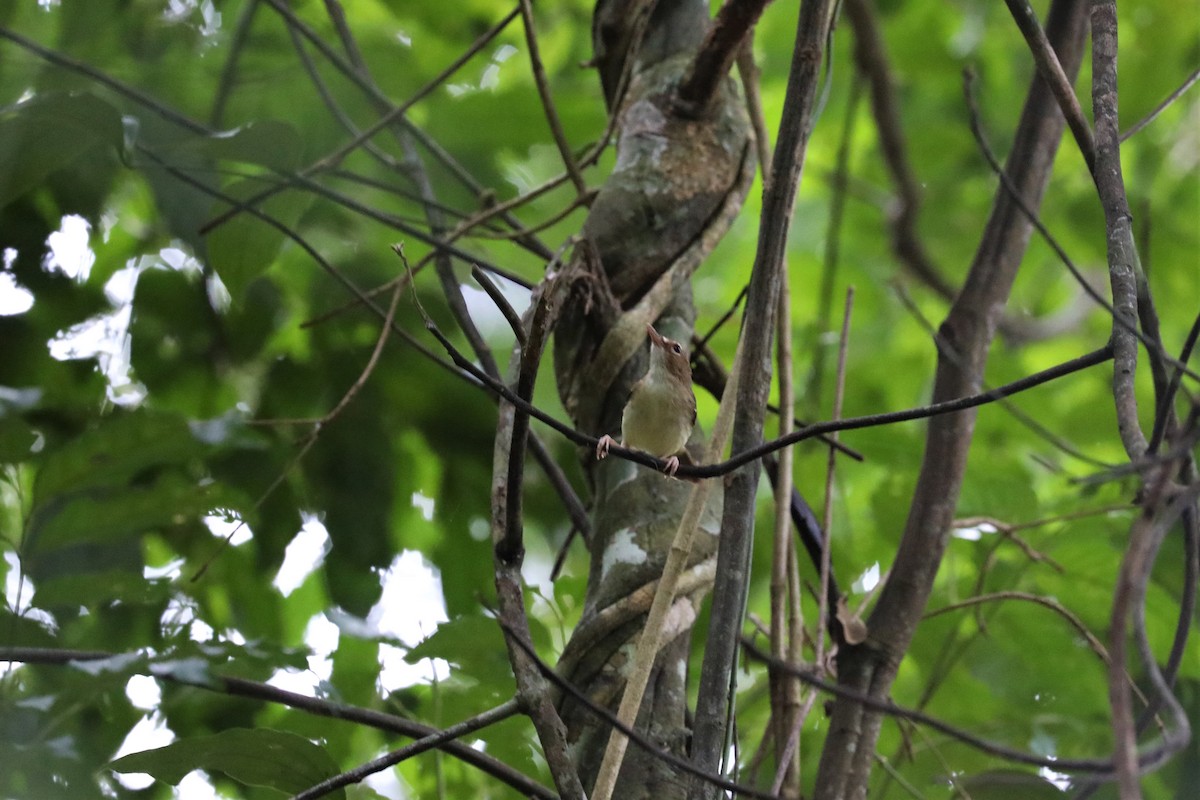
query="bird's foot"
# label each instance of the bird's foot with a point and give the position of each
(602, 446)
(671, 466)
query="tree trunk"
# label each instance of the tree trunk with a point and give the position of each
(677, 184)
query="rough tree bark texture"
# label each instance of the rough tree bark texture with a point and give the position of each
(963, 343)
(674, 190)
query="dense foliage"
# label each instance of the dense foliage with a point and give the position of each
(178, 501)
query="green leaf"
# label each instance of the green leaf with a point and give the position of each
(270, 143)
(115, 451)
(106, 514)
(46, 134)
(94, 589)
(16, 440)
(1006, 784)
(242, 248)
(474, 643)
(194, 671)
(254, 757)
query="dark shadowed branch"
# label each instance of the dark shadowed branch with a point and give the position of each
(726, 33)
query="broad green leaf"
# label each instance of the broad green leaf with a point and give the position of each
(1008, 784)
(94, 589)
(107, 514)
(25, 631)
(194, 671)
(43, 135)
(16, 440)
(473, 643)
(270, 143)
(255, 757)
(244, 246)
(116, 450)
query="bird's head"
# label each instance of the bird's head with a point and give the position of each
(670, 356)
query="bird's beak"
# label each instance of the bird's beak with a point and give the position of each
(656, 338)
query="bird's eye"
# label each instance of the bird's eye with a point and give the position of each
(677, 348)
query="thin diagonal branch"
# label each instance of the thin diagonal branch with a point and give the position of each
(1152, 343)
(237, 45)
(456, 731)
(1188, 83)
(543, 87)
(871, 58)
(1052, 73)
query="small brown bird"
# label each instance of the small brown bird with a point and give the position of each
(661, 410)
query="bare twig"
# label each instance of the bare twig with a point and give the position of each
(456, 731)
(1188, 83)
(784, 689)
(744, 457)
(1046, 602)
(394, 114)
(1052, 73)
(709, 374)
(1020, 416)
(331, 102)
(825, 568)
(833, 246)
(1168, 398)
(831, 467)
(318, 424)
(104, 79)
(666, 756)
(543, 87)
(872, 61)
(1123, 266)
(1151, 342)
(377, 96)
(508, 549)
(237, 44)
(749, 72)
(1146, 537)
(542, 318)
(582, 201)
(493, 291)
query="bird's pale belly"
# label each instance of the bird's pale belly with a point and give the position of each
(653, 423)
